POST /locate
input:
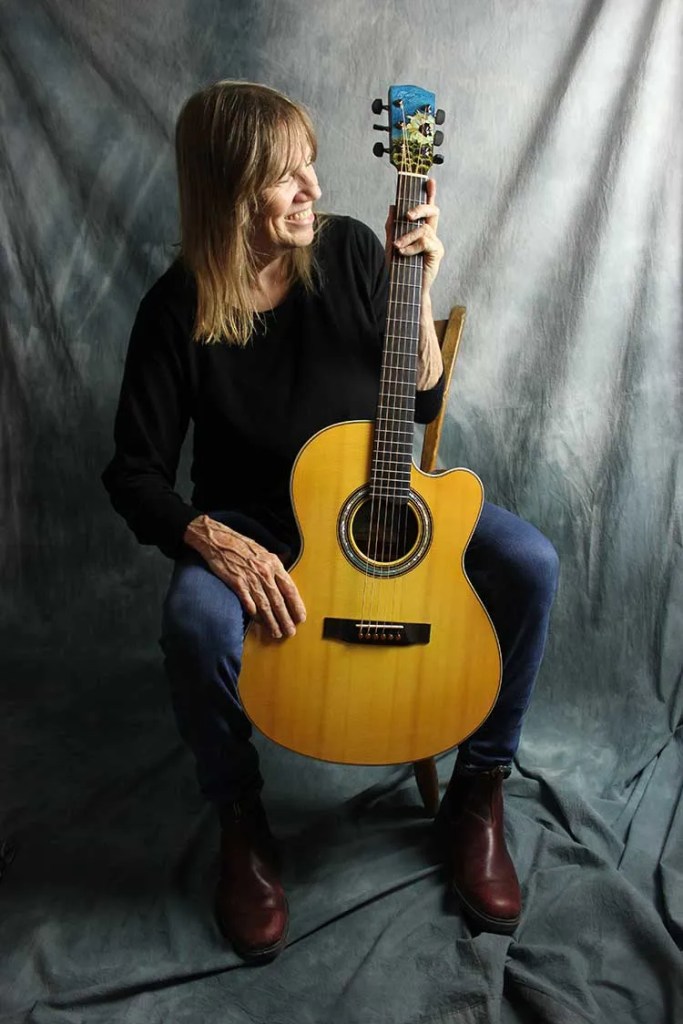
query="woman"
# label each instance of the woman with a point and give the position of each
(267, 328)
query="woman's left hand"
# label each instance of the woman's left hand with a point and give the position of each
(422, 239)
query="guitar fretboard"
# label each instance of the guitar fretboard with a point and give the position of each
(393, 440)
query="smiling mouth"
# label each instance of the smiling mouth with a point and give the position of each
(302, 216)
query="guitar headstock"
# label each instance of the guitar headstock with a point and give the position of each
(412, 136)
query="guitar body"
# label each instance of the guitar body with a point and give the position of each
(373, 696)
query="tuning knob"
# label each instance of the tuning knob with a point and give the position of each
(438, 138)
(440, 116)
(381, 127)
(378, 106)
(379, 150)
(438, 159)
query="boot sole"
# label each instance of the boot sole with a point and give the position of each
(254, 956)
(497, 925)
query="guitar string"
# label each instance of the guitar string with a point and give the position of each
(392, 441)
(408, 364)
(395, 466)
(395, 508)
(416, 294)
(384, 426)
(418, 186)
(405, 361)
(370, 586)
(378, 502)
(390, 484)
(368, 598)
(398, 420)
(391, 487)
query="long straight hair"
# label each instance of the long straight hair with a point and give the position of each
(233, 140)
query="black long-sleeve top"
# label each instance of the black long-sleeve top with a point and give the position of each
(314, 360)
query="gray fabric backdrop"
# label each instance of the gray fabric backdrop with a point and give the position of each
(561, 216)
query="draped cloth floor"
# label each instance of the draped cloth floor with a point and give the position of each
(561, 216)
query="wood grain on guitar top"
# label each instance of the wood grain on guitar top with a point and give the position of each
(375, 704)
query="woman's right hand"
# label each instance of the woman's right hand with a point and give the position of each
(255, 574)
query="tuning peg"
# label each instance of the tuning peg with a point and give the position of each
(381, 127)
(440, 116)
(379, 150)
(378, 106)
(438, 138)
(437, 159)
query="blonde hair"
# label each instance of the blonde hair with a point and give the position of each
(233, 140)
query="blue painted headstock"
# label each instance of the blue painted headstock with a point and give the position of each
(412, 135)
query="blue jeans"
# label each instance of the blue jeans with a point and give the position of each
(512, 566)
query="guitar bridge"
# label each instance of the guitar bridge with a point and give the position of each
(384, 634)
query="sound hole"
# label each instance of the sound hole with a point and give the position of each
(384, 531)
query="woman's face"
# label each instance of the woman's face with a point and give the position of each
(286, 219)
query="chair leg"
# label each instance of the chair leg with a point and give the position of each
(428, 784)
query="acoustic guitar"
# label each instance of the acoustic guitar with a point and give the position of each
(397, 660)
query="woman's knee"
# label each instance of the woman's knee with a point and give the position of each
(202, 619)
(535, 564)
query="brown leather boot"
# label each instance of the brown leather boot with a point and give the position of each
(251, 907)
(480, 870)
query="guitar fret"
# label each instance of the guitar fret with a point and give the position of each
(400, 459)
(408, 262)
(389, 479)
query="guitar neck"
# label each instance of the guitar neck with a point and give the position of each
(393, 442)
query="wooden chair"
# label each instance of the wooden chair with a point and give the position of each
(449, 333)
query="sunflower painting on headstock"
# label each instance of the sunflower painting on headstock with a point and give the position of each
(412, 117)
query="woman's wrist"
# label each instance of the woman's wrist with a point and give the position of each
(198, 533)
(429, 361)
